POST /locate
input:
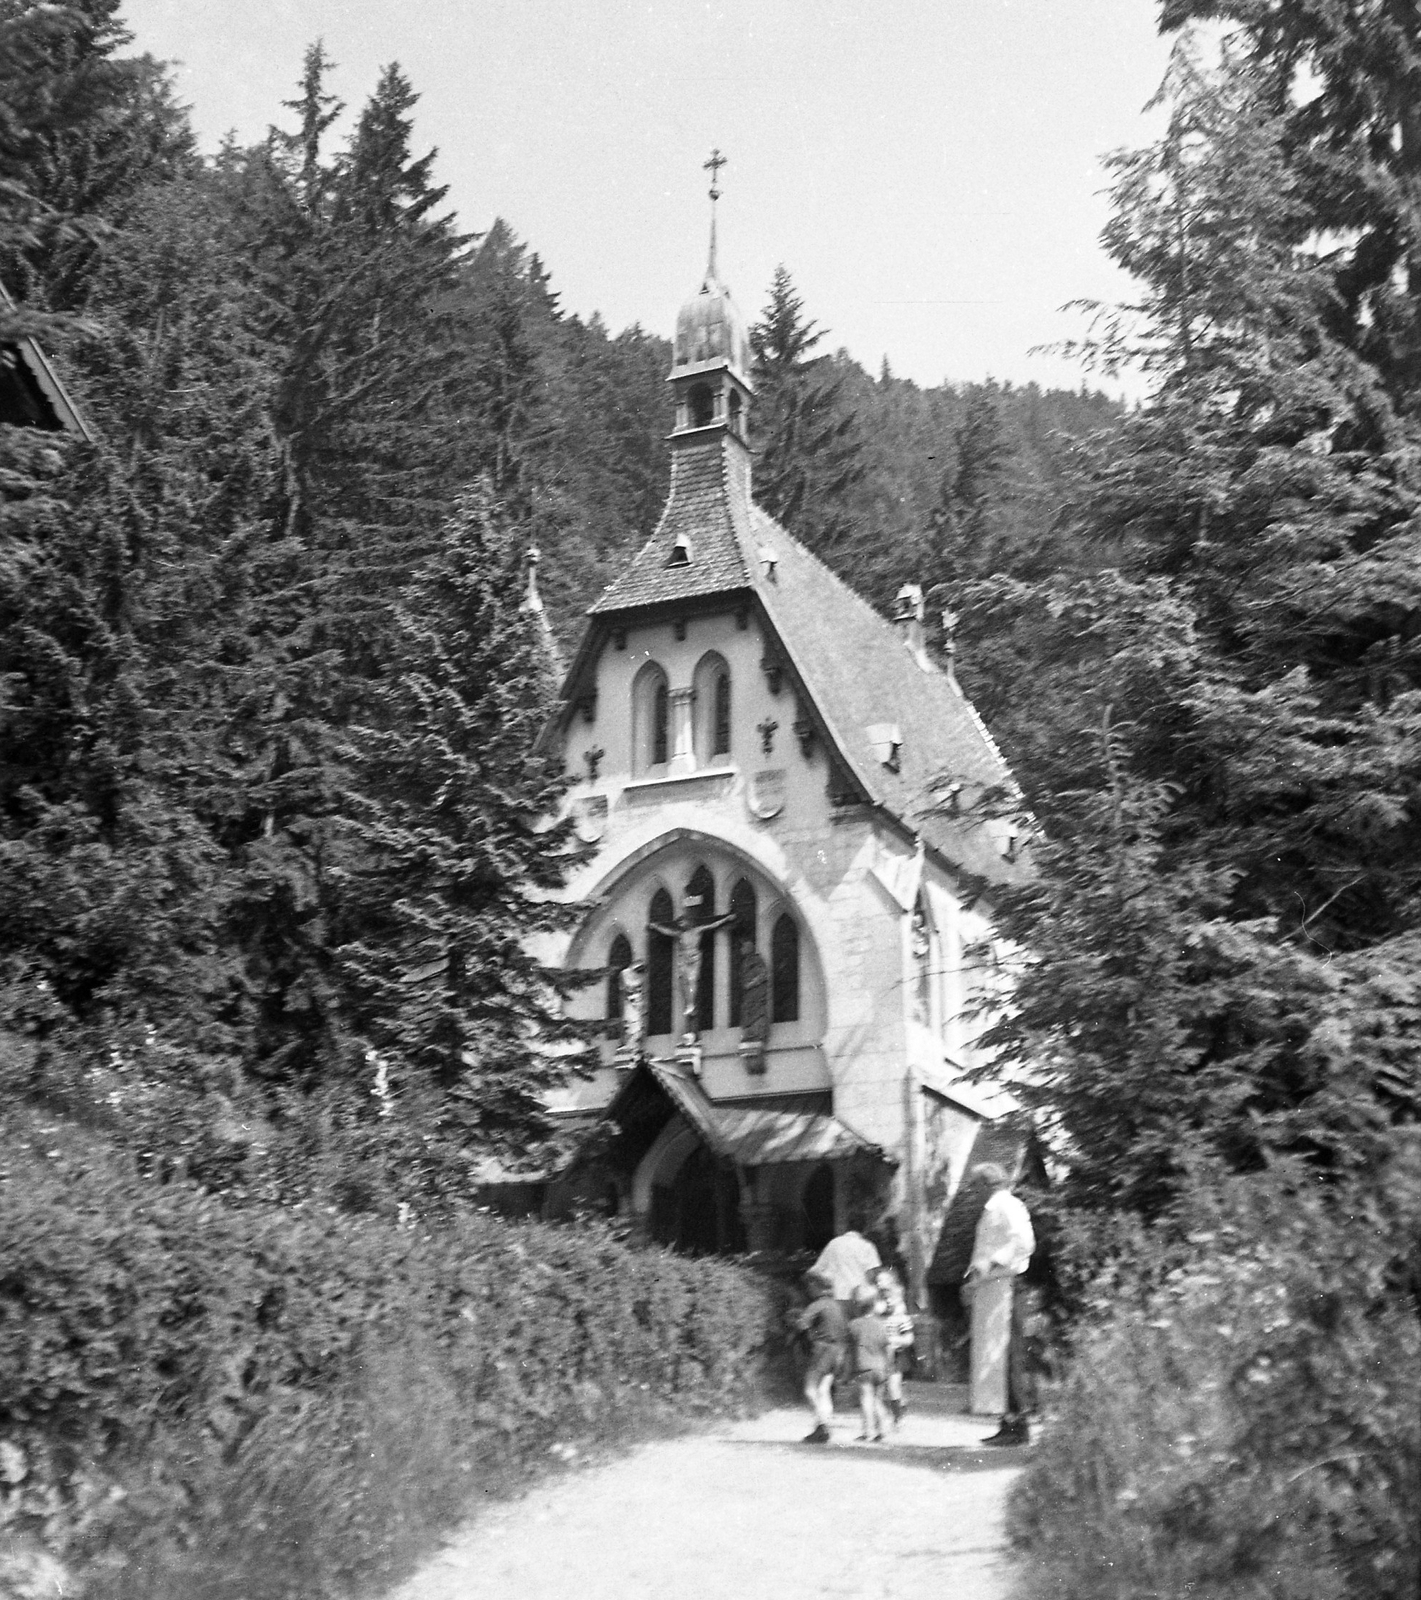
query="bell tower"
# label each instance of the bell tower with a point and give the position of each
(710, 366)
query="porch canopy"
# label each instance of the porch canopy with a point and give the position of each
(748, 1136)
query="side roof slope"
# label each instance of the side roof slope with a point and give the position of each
(852, 666)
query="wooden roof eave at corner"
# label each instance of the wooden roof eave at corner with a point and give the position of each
(47, 380)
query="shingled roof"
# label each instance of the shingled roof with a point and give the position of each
(704, 487)
(852, 667)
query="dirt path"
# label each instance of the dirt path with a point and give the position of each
(749, 1513)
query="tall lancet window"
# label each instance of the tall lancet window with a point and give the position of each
(711, 682)
(921, 935)
(742, 938)
(660, 723)
(720, 745)
(650, 718)
(784, 970)
(619, 958)
(660, 959)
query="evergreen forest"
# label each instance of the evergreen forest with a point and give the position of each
(274, 844)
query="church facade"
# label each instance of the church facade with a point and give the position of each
(787, 887)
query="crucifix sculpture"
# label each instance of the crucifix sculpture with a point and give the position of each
(686, 936)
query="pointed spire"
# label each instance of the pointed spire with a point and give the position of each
(532, 605)
(713, 166)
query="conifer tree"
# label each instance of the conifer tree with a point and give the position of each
(808, 453)
(354, 268)
(1345, 84)
(450, 859)
(82, 130)
(1250, 640)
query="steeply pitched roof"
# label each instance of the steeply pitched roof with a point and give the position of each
(751, 1136)
(703, 488)
(855, 670)
(861, 675)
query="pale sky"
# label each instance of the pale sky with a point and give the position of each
(928, 170)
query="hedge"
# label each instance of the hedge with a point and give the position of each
(202, 1400)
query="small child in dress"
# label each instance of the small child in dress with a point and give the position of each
(828, 1329)
(900, 1337)
(868, 1337)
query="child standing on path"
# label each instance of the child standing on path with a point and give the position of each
(868, 1334)
(900, 1336)
(824, 1321)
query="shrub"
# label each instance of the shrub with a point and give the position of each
(257, 1402)
(1242, 1418)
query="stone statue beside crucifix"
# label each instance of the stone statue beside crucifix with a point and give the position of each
(685, 936)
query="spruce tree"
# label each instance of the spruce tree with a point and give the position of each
(1345, 84)
(83, 129)
(808, 453)
(1247, 634)
(353, 269)
(450, 860)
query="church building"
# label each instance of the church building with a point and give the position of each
(789, 878)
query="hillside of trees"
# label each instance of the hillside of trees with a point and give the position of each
(260, 637)
(272, 835)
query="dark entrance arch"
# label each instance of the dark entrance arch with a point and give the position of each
(818, 1204)
(698, 1212)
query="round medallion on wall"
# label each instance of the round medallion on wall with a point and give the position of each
(766, 793)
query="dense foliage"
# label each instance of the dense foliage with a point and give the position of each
(1221, 744)
(1216, 1009)
(1242, 1416)
(262, 1402)
(267, 814)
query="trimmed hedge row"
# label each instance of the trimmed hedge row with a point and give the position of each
(201, 1400)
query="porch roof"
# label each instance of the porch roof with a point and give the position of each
(754, 1137)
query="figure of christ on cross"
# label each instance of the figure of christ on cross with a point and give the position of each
(686, 936)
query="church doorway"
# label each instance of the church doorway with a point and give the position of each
(818, 1204)
(698, 1211)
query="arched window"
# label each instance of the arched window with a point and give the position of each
(650, 718)
(659, 962)
(660, 717)
(921, 953)
(720, 741)
(702, 399)
(711, 682)
(742, 938)
(619, 958)
(700, 907)
(784, 970)
(737, 420)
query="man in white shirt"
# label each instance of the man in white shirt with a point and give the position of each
(1001, 1252)
(846, 1262)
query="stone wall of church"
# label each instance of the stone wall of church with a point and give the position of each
(885, 938)
(761, 810)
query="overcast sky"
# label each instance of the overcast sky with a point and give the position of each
(928, 170)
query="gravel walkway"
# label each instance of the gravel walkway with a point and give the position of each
(749, 1513)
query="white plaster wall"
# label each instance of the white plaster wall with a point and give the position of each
(851, 876)
(658, 828)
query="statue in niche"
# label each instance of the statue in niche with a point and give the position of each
(631, 988)
(922, 950)
(685, 935)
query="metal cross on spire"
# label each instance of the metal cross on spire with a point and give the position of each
(713, 166)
